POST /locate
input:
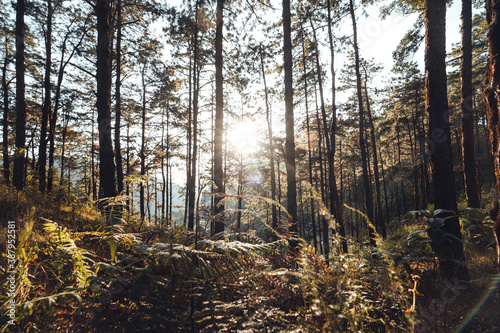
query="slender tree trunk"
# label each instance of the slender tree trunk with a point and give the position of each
(478, 149)
(168, 181)
(274, 221)
(162, 166)
(378, 196)
(492, 100)
(334, 201)
(319, 219)
(300, 217)
(212, 150)
(468, 155)
(92, 157)
(127, 171)
(19, 159)
(219, 121)
(105, 124)
(170, 192)
(143, 145)
(156, 200)
(436, 105)
(5, 120)
(279, 193)
(289, 120)
(356, 206)
(362, 144)
(53, 121)
(194, 154)
(63, 145)
(118, 104)
(320, 158)
(309, 146)
(387, 215)
(400, 169)
(335, 198)
(240, 197)
(46, 108)
(188, 146)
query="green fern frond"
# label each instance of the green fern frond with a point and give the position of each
(237, 248)
(67, 252)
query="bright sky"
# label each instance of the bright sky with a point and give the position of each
(379, 38)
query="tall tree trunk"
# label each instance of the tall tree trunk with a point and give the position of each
(162, 165)
(387, 215)
(92, 154)
(19, 159)
(143, 145)
(309, 146)
(118, 103)
(106, 124)
(106, 166)
(362, 144)
(46, 109)
(400, 169)
(356, 198)
(492, 100)
(469, 158)
(240, 196)
(53, 121)
(378, 196)
(300, 217)
(212, 150)
(168, 181)
(194, 154)
(321, 168)
(219, 121)
(289, 120)
(188, 145)
(335, 198)
(5, 120)
(63, 145)
(436, 105)
(334, 201)
(274, 221)
(127, 171)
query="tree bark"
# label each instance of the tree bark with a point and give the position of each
(274, 216)
(309, 146)
(334, 192)
(492, 101)
(107, 166)
(219, 121)
(378, 196)
(143, 145)
(436, 105)
(19, 158)
(46, 108)
(289, 120)
(5, 120)
(118, 103)
(362, 144)
(329, 134)
(468, 156)
(194, 154)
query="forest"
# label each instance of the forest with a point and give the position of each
(250, 166)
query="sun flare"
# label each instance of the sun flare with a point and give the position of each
(243, 136)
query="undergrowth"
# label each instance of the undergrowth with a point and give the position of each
(97, 273)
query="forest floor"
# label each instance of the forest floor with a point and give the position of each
(77, 273)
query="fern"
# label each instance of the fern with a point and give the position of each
(67, 253)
